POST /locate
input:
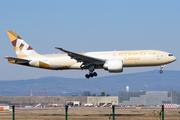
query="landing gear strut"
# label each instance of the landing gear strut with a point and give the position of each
(161, 67)
(91, 73)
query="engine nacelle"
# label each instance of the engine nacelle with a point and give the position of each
(114, 66)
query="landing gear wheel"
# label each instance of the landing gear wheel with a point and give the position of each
(161, 67)
(160, 71)
(91, 75)
(87, 76)
(95, 74)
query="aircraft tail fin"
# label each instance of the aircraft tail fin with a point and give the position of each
(22, 49)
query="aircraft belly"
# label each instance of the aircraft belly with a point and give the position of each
(54, 62)
(75, 66)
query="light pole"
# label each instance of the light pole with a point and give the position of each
(45, 97)
(171, 95)
(112, 95)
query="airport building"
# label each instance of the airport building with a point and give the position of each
(61, 100)
(148, 98)
(33, 100)
(102, 100)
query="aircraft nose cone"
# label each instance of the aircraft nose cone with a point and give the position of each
(172, 59)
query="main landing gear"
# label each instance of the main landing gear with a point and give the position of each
(161, 67)
(91, 73)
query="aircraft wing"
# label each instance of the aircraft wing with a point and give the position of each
(82, 58)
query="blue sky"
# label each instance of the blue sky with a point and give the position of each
(83, 26)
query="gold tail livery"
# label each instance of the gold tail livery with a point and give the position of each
(112, 61)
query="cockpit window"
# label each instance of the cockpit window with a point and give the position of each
(170, 55)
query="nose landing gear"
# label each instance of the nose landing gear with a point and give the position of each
(161, 67)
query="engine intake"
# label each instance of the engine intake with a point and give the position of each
(114, 66)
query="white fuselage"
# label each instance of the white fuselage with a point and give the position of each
(137, 58)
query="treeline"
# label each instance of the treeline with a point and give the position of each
(88, 93)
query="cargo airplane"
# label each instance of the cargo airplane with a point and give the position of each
(112, 61)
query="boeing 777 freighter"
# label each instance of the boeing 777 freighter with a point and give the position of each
(112, 61)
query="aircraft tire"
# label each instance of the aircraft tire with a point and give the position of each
(91, 75)
(87, 76)
(95, 74)
(160, 71)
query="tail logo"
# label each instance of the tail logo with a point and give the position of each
(22, 49)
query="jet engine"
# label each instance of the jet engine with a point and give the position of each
(113, 66)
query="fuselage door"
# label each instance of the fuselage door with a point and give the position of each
(158, 56)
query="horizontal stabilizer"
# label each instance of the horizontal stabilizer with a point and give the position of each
(11, 58)
(17, 60)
